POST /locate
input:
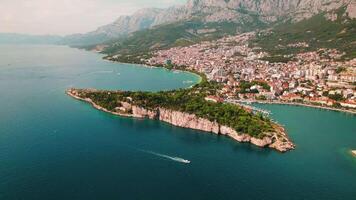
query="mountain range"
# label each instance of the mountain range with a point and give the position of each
(237, 11)
(329, 24)
(204, 19)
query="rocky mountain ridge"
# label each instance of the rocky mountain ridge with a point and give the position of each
(238, 11)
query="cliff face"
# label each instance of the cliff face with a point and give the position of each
(187, 120)
(270, 10)
(142, 19)
(277, 140)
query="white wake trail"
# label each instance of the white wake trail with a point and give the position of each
(177, 159)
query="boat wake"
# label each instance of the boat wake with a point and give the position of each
(173, 158)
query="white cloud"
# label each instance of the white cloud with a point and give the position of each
(67, 16)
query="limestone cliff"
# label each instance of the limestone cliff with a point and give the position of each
(277, 140)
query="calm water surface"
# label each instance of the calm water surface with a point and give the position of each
(54, 147)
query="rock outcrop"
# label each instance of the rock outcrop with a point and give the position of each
(277, 140)
(187, 120)
(140, 112)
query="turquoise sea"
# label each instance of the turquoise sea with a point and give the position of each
(53, 147)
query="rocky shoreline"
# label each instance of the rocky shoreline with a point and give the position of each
(276, 140)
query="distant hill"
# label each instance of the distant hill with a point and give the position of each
(80, 40)
(218, 11)
(14, 38)
(77, 40)
(197, 20)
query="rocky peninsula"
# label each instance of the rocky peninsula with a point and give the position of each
(137, 105)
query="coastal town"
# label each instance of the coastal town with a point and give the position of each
(318, 78)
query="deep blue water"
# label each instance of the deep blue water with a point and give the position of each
(54, 147)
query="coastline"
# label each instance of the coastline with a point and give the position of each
(277, 140)
(304, 105)
(200, 78)
(253, 101)
(96, 105)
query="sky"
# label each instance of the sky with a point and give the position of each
(62, 17)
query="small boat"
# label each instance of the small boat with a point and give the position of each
(185, 161)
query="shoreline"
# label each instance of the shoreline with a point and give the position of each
(281, 146)
(253, 101)
(200, 78)
(278, 140)
(96, 105)
(304, 105)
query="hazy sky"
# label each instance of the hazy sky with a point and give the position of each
(67, 16)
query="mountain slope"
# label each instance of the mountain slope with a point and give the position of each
(242, 13)
(14, 38)
(236, 11)
(182, 33)
(124, 25)
(332, 29)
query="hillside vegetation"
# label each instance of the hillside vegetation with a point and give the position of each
(189, 101)
(317, 32)
(177, 34)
